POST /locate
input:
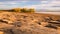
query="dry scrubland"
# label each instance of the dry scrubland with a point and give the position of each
(29, 23)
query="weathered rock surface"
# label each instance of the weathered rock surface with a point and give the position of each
(24, 23)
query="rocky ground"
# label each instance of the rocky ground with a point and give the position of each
(29, 23)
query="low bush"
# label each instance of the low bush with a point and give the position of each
(24, 10)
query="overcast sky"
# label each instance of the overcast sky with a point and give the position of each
(37, 4)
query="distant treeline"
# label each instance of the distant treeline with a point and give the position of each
(25, 10)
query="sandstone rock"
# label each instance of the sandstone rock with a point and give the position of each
(1, 32)
(24, 23)
(44, 23)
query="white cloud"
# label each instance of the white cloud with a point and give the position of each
(12, 2)
(46, 5)
(3, 3)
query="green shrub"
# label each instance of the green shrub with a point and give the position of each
(24, 10)
(16, 10)
(31, 10)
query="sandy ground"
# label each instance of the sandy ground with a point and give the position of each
(54, 13)
(29, 23)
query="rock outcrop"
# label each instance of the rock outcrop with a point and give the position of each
(25, 23)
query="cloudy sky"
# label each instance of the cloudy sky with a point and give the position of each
(37, 4)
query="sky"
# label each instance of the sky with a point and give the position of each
(37, 4)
